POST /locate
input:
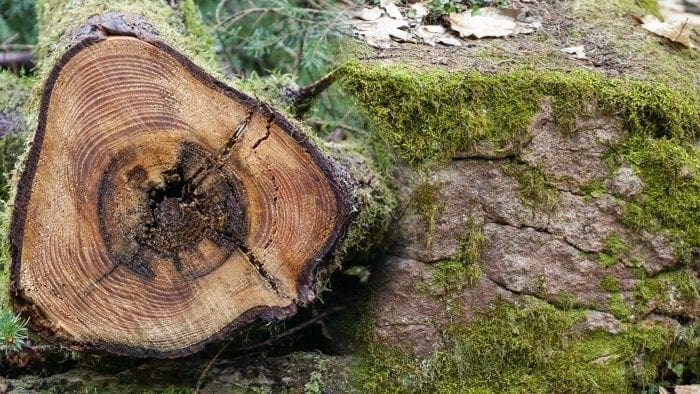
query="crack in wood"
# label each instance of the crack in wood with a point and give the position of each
(267, 132)
(193, 182)
(255, 262)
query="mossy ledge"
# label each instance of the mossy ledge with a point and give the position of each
(427, 115)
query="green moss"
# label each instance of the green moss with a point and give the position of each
(527, 348)
(566, 301)
(670, 198)
(15, 91)
(668, 290)
(11, 146)
(614, 250)
(534, 189)
(615, 8)
(593, 188)
(464, 268)
(425, 202)
(610, 284)
(618, 307)
(427, 115)
(606, 260)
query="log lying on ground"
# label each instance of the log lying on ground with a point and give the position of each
(160, 209)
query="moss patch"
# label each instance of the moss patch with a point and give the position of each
(614, 8)
(534, 190)
(614, 250)
(618, 307)
(670, 198)
(464, 269)
(427, 115)
(668, 292)
(15, 91)
(426, 203)
(530, 348)
(610, 284)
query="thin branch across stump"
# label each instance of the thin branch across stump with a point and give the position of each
(160, 209)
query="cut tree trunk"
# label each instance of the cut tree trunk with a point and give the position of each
(160, 209)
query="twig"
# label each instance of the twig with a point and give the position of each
(10, 39)
(206, 369)
(247, 350)
(217, 13)
(262, 345)
(319, 122)
(16, 59)
(303, 97)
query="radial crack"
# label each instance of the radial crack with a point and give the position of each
(202, 172)
(253, 260)
(267, 132)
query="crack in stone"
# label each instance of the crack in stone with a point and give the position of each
(525, 293)
(559, 237)
(480, 157)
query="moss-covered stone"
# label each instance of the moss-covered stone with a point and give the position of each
(530, 347)
(671, 196)
(427, 115)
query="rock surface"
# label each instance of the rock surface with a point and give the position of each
(576, 253)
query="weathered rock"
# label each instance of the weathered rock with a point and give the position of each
(570, 160)
(551, 253)
(404, 313)
(626, 183)
(408, 308)
(596, 320)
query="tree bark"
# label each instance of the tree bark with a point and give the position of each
(160, 209)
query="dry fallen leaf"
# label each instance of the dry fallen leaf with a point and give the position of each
(579, 52)
(392, 10)
(419, 10)
(677, 32)
(490, 22)
(378, 33)
(429, 33)
(367, 14)
(449, 41)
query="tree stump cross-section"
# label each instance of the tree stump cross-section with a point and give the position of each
(160, 209)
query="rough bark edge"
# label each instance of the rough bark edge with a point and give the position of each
(98, 31)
